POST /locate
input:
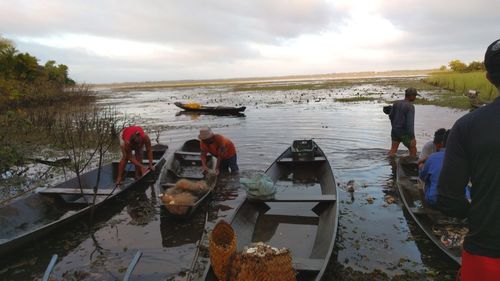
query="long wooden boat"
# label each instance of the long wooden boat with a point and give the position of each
(303, 215)
(211, 109)
(431, 221)
(185, 163)
(28, 218)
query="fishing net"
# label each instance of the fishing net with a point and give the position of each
(262, 262)
(222, 246)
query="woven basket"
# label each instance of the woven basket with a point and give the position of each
(272, 267)
(222, 247)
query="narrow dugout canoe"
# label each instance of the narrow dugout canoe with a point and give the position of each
(28, 218)
(430, 221)
(185, 163)
(211, 109)
(302, 217)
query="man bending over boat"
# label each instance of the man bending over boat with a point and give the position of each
(402, 118)
(220, 147)
(473, 153)
(134, 139)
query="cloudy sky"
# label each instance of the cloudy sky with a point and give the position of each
(129, 40)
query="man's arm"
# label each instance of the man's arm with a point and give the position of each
(203, 157)
(149, 151)
(410, 121)
(126, 155)
(454, 176)
(393, 109)
(425, 171)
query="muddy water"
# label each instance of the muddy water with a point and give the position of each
(374, 237)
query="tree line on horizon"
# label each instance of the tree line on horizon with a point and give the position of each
(459, 66)
(24, 82)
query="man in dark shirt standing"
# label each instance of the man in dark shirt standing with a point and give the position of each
(473, 153)
(402, 121)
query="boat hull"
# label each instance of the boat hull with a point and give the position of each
(29, 218)
(305, 222)
(411, 188)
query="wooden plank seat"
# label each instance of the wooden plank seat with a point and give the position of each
(290, 160)
(188, 153)
(144, 161)
(304, 198)
(76, 191)
(306, 220)
(191, 157)
(305, 264)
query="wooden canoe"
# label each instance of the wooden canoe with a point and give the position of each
(411, 190)
(212, 109)
(28, 218)
(185, 163)
(302, 217)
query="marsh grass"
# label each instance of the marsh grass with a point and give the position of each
(460, 83)
(356, 99)
(310, 85)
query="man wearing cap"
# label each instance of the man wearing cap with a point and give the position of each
(402, 121)
(220, 147)
(134, 139)
(473, 153)
(432, 146)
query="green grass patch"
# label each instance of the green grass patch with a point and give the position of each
(461, 83)
(356, 99)
(309, 85)
(446, 100)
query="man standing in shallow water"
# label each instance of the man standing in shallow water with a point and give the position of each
(473, 153)
(402, 121)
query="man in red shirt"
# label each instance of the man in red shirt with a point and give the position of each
(134, 139)
(220, 147)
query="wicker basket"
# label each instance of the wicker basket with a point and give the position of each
(222, 247)
(271, 267)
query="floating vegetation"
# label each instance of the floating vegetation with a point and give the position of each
(356, 99)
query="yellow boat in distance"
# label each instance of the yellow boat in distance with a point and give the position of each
(222, 110)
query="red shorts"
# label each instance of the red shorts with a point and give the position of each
(479, 268)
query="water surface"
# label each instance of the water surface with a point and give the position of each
(374, 237)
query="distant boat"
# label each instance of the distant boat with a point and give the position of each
(195, 107)
(28, 218)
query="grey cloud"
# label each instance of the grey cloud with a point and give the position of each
(445, 25)
(170, 21)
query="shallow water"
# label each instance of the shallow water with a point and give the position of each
(372, 235)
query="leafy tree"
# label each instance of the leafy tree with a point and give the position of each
(442, 68)
(457, 65)
(475, 66)
(24, 82)
(26, 67)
